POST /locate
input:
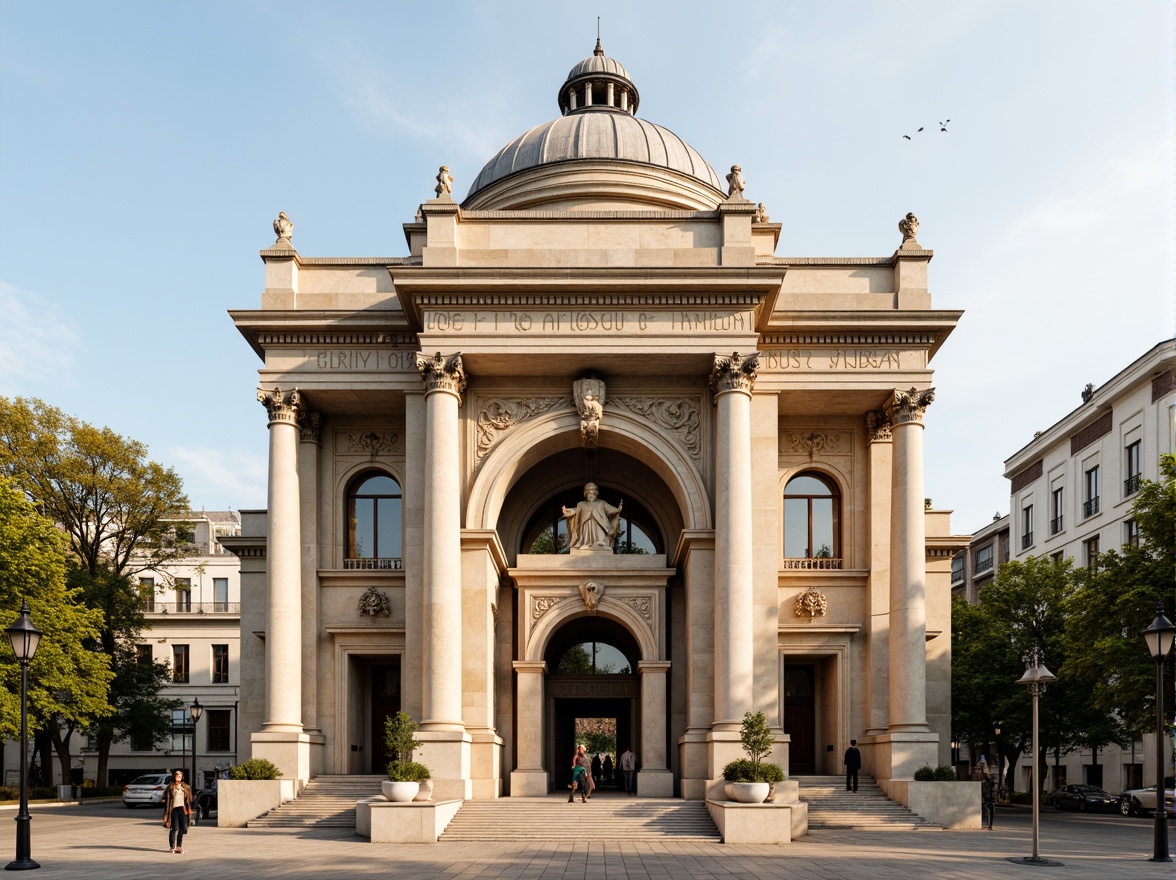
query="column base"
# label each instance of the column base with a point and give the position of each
(529, 783)
(447, 755)
(486, 764)
(692, 759)
(897, 755)
(655, 783)
(722, 747)
(294, 753)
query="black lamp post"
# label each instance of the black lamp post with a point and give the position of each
(999, 758)
(1036, 677)
(1159, 642)
(25, 637)
(195, 710)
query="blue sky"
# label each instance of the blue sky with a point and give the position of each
(148, 146)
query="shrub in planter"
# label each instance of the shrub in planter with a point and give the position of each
(741, 770)
(943, 773)
(925, 773)
(254, 768)
(756, 737)
(400, 739)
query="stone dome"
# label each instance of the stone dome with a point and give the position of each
(598, 100)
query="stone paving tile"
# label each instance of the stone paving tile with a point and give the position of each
(108, 842)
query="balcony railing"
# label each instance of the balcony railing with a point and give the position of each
(1055, 525)
(374, 564)
(1026, 540)
(1131, 484)
(1090, 508)
(983, 565)
(821, 563)
(191, 607)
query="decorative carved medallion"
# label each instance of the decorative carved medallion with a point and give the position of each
(679, 415)
(442, 373)
(811, 604)
(500, 414)
(589, 396)
(878, 425)
(591, 592)
(734, 373)
(281, 406)
(814, 442)
(309, 426)
(540, 605)
(372, 442)
(374, 603)
(908, 406)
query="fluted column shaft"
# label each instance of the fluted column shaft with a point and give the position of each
(441, 696)
(283, 612)
(731, 382)
(908, 567)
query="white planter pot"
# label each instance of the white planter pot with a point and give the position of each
(399, 792)
(426, 792)
(727, 791)
(750, 792)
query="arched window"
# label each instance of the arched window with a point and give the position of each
(812, 523)
(374, 523)
(593, 658)
(547, 532)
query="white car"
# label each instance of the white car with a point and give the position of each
(1143, 800)
(146, 791)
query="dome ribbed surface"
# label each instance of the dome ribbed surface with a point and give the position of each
(598, 64)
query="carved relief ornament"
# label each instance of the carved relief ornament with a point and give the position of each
(309, 426)
(500, 414)
(878, 425)
(371, 442)
(811, 604)
(442, 373)
(678, 415)
(734, 373)
(282, 406)
(540, 605)
(591, 592)
(589, 396)
(814, 442)
(906, 407)
(374, 603)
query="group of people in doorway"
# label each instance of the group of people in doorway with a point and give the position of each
(587, 771)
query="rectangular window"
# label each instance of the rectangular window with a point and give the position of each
(181, 731)
(183, 594)
(1131, 533)
(1090, 548)
(147, 593)
(957, 570)
(1056, 557)
(220, 664)
(1004, 555)
(1057, 502)
(1090, 494)
(1132, 467)
(143, 654)
(220, 594)
(1027, 527)
(180, 664)
(984, 559)
(220, 722)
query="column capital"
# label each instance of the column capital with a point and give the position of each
(283, 406)
(644, 667)
(907, 407)
(734, 373)
(309, 424)
(442, 373)
(878, 425)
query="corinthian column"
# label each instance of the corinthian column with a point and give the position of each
(731, 382)
(444, 380)
(908, 578)
(283, 577)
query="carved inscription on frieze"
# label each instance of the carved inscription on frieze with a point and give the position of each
(590, 322)
(801, 360)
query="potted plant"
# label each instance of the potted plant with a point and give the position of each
(752, 781)
(404, 775)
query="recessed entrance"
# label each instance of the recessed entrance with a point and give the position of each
(800, 717)
(601, 712)
(385, 702)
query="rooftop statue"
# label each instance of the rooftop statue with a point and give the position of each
(593, 523)
(761, 214)
(283, 228)
(444, 188)
(735, 184)
(909, 227)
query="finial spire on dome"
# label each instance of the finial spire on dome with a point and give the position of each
(599, 49)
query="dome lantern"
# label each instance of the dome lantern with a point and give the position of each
(598, 84)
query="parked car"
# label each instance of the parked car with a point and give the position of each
(1143, 800)
(206, 799)
(145, 791)
(1082, 797)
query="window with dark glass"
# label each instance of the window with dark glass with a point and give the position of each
(220, 594)
(957, 569)
(1090, 496)
(812, 512)
(183, 594)
(1131, 533)
(147, 593)
(180, 664)
(1133, 468)
(1057, 500)
(219, 726)
(984, 559)
(1091, 548)
(143, 654)
(220, 664)
(374, 514)
(593, 658)
(181, 731)
(547, 530)
(1027, 527)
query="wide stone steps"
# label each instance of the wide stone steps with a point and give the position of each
(606, 816)
(831, 806)
(325, 802)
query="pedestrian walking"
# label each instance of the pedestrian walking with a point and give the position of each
(581, 775)
(177, 808)
(629, 770)
(607, 767)
(988, 790)
(853, 763)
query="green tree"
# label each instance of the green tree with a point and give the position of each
(117, 508)
(67, 681)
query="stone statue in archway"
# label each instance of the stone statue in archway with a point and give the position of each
(593, 523)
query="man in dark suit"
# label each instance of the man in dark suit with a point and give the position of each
(853, 763)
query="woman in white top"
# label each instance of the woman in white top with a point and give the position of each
(177, 807)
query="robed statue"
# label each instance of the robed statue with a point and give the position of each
(593, 523)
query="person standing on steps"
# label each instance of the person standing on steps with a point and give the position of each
(177, 807)
(629, 770)
(581, 775)
(853, 763)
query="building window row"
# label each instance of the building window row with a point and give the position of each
(181, 670)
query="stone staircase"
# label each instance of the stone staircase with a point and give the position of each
(831, 806)
(325, 802)
(606, 817)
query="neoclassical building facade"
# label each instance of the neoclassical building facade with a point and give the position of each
(602, 308)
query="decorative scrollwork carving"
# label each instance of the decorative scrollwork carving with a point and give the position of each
(308, 426)
(500, 414)
(642, 605)
(678, 415)
(374, 603)
(814, 442)
(540, 605)
(371, 442)
(811, 604)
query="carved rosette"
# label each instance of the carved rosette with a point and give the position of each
(284, 407)
(907, 407)
(540, 605)
(678, 415)
(734, 373)
(308, 427)
(591, 592)
(814, 442)
(878, 425)
(374, 603)
(371, 442)
(499, 414)
(811, 604)
(442, 373)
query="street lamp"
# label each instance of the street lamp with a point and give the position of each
(999, 758)
(195, 710)
(1159, 642)
(25, 637)
(1036, 677)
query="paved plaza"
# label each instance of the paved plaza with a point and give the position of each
(108, 841)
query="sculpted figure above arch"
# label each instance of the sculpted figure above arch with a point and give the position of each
(593, 523)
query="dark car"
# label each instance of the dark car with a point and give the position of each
(1082, 797)
(206, 800)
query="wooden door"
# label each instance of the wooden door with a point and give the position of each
(800, 718)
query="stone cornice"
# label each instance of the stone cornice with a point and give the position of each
(244, 547)
(927, 328)
(319, 327)
(487, 539)
(576, 216)
(690, 540)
